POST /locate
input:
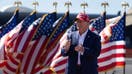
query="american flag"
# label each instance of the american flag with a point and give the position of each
(38, 41)
(58, 62)
(51, 51)
(15, 33)
(28, 21)
(13, 62)
(64, 25)
(10, 24)
(112, 20)
(4, 32)
(98, 24)
(22, 26)
(55, 62)
(113, 48)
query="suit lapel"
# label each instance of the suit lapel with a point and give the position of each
(88, 36)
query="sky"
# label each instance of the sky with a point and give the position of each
(94, 6)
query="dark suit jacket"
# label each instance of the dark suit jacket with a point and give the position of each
(92, 48)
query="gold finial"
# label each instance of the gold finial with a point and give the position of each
(105, 4)
(68, 4)
(125, 5)
(55, 5)
(84, 5)
(35, 4)
(17, 3)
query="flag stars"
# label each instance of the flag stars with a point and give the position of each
(45, 28)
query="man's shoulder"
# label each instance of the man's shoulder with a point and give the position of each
(94, 35)
(73, 32)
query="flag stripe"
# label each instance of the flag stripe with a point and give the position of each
(110, 57)
(117, 59)
(13, 59)
(25, 39)
(58, 60)
(60, 69)
(49, 48)
(24, 63)
(17, 41)
(3, 63)
(33, 58)
(10, 66)
(110, 66)
(61, 63)
(116, 47)
(51, 54)
(112, 51)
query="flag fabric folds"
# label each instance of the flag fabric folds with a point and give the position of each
(113, 48)
(10, 24)
(5, 31)
(12, 35)
(35, 49)
(13, 59)
(63, 25)
(22, 26)
(98, 24)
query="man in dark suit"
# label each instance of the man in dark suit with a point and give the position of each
(82, 48)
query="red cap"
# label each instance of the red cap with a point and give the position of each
(83, 17)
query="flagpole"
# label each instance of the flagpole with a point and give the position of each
(55, 5)
(105, 4)
(68, 4)
(35, 4)
(17, 3)
(84, 5)
(124, 6)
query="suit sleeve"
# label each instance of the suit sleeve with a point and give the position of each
(71, 51)
(63, 52)
(95, 49)
(66, 53)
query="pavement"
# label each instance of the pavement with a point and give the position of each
(128, 66)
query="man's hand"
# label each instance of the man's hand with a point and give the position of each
(67, 45)
(79, 48)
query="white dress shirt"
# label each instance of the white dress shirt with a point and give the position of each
(80, 42)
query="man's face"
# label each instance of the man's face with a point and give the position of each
(81, 24)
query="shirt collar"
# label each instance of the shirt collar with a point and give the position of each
(84, 34)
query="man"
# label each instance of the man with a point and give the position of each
(82, 48)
